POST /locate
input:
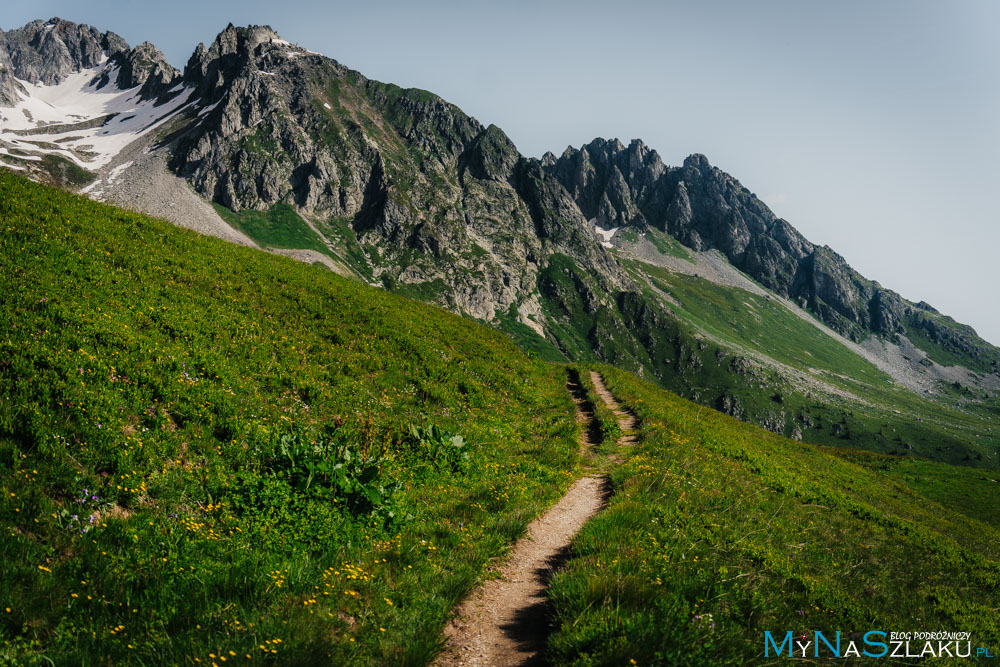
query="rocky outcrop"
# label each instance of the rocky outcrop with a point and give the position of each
(48, 51)
(432, 196)
(705, 208)
(145, 66)
(613, 185)
(11, 91)
(490, 156)
(959, 340)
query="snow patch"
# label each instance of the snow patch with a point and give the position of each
(90, 187)
(117, 171)
(605, 235)
(208, 109)
(289, 45)
(77, 99)
(30, 158)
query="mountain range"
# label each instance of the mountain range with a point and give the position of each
(603, 253)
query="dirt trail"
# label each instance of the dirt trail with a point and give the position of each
(626, 420)
(505, 621)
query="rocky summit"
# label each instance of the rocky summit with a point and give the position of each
(604, 253)
(432, 196)
(47, 52)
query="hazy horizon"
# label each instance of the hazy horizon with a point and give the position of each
(871, 129)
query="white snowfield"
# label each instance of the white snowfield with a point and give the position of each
(606, 235)
(77, 100)
(294, 48)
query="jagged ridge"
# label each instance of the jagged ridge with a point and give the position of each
(705, 208)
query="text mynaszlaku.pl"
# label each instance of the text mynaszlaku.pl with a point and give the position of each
(873, 644)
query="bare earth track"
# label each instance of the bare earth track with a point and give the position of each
(505, 621)
(627, 422)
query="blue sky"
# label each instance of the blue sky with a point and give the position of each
(873, 127)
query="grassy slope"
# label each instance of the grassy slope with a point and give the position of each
(278, 227)
(719, 530)
(949, 357)
(948, 432)
(527, 338)
(171, 411)
(967, 490)
(972, 352)
(737, 315)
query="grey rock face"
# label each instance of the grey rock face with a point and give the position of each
(213, 68)
(611, 183)
(47, 51)
(705, 208)
(145, 66)
(432, 195)
(491, 156)
(10, 90)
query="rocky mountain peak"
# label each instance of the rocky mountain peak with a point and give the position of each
(705, 208)
(48, 51)
(209, 69)
(145, 66)
(608, 180)
(241, 40)
(492, 155)
(698, 162)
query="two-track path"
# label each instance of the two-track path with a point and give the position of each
(505, 621)
(627, 422)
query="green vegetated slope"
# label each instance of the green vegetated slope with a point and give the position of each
(209, 450)
(700, 343)
(51, 168)
(719, 530)
(967, 490)
(951, 344)
(278, 227)
(875, 413)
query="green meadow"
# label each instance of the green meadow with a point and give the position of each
(209, 452)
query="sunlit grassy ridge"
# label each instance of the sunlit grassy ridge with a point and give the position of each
(718, 530)
(207, 450)
(879, 418)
